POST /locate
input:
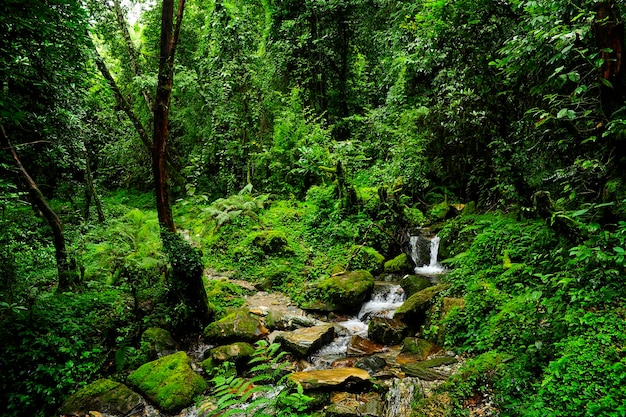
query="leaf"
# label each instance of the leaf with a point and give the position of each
(566, 114)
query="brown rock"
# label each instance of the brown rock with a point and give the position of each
(361, 346)
(329, 377)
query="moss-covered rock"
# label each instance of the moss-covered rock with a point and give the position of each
(416, 370)
(158, 342)
(271, 242)
(238, 353)
(306, 340)
(347, 291)
(169, 382)
(386, 331)
(413, 310)
(104, 396)
(419, 347)
(412, 284)
(398, 265)
(366, 258)
(439, 211)
(237, 326)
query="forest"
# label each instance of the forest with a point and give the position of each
(318, 208)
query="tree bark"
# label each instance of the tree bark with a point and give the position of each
(65, 272)
(91, 190)
(169, 40)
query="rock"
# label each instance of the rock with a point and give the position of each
(238, 352)
(373, 408)
(347, 291)
(105, 396)
(340, 410)
(414, 309)
(361, 346)
(329, 378)
(439, 361)
(238, 326)
(372, 364)
(412, 284)
(159, 342)
(386, 331)
(350, 404)
(439, 211)
(398, 265)
(271, 242)
(306, 340)
(419, 347)
(435, 405)
(169, 382)
(416, 370)
(366, 258)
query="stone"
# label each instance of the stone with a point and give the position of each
(271, 242)
(347, 291)
(238, 353)
(359, 345)
(159, 342)
(306, 340)
(169, 382)
(238, 326)
(366, 258)
(414, 309)
(386, 331)
(105, 396)
(419, 347)
(372, 364)
(412, 284)
(439, 361)
(416, 370)
(398, 265)
(329, 378)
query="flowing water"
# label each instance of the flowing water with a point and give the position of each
(424, 253)
(385, 299)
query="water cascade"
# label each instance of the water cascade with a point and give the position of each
(424, 252)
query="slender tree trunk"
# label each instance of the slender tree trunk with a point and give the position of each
(169, 40)
(65, 272)
(91, 190)
(132, 52)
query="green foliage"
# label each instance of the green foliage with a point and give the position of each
(255, 396)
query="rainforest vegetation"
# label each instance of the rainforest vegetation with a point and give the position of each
(148, 147)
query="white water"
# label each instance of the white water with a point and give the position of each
(385, 299)
(433, 267)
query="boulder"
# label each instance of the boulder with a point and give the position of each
(158, 342)
(238, 353)
(372, 364)
(347, 291)
(366, 258)
(386, 331)
(398, 265)
(417, 371)
(329, 378)
(271, 242)
(306, 340)
(238, 326)
(412, 284)
(169, 382)
(361, 346)
(414, 309)
(104, 396)
(420, 348)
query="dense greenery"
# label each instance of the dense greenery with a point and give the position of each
(306, 138)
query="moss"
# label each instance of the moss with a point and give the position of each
(238, 326)
(158, 340)
(271, 242)
(439, 211)
(169, 382)
(414, 308)
(412, 284)
(366, 258)
(398, 265)
(347, 290)
(419, 347)
(103, 395)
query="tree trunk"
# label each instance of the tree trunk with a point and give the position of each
(67, 277)
(169, 40)
(91, 191)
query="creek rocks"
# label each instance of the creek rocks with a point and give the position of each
(238, 352)
(372, 364)
(419, 348)
(169, 382)
(238, 326)
(329, 378)
(159, 342)
(306, 340)
(366, 258)
(359, 345)
(347, 291)
(104, 396)
(386, 331)
(398, 265)
(414, 309)
(423, 369)
(348, 404)
(412, 284)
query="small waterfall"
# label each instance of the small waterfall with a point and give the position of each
(424, 253)
(385, 299)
